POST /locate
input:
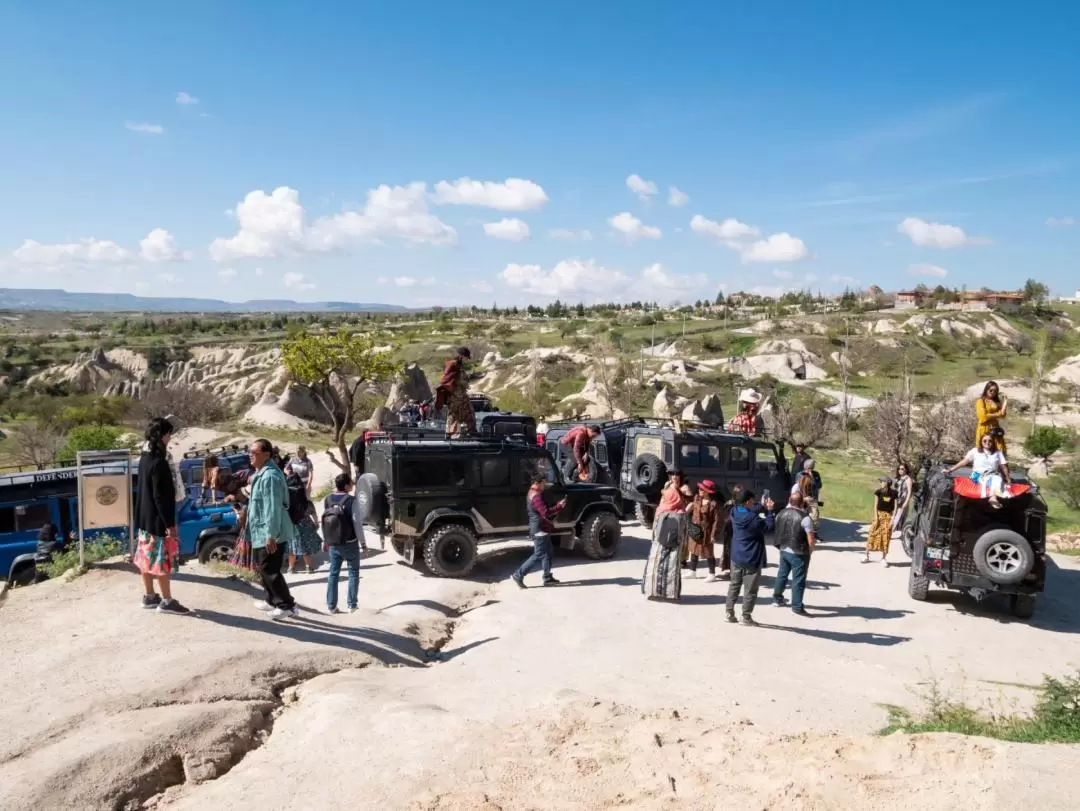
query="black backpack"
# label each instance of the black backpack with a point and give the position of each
(298, 500)
(337, 520)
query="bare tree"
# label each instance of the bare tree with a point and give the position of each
(37, 443)
(1039, 363)
(901, 430)
(615, 376)
(800, 415)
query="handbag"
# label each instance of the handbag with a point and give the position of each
(694, 531)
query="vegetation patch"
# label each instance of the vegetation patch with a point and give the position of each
(68, 558)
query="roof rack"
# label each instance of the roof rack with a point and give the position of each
(404, 435)
(46, 475)
(224, 450)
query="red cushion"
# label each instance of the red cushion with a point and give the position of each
(966, 488)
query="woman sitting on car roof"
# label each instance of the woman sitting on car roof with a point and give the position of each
(989, 469)
(748, 420)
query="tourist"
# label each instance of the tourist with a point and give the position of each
(270, 530)
(580, 440)
(541, 431)
(675, 495)
(989, 469)
(727, 531)
(662, 579)
(795, 537)
(541, 527)
(343, 540)
(797, 461)
(702, 527)
(305, 541)
(808, 485)
(748, 420)
(303, 467)
(880, 533)
(905, 488)
(211, 471)
(750, 522)
(453, 392)
(990, 408)
(155, 519)
(47, 546)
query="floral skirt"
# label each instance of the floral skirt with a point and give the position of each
(156, 555)
(306, 540)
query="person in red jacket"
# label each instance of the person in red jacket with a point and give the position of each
(580, 439)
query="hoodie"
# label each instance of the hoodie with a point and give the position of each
(748, 536)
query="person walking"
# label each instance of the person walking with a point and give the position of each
(302, 466)
(750, 522)
(702, 526)
(541, 527)
(155, 520)
(270, 530)
(306, 541)
(343, 540)
(880, 533)
(795, 537)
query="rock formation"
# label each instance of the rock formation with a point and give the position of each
(413, 385)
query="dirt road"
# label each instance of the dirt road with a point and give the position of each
(582, 696)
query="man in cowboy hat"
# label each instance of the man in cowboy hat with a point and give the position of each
(748, 420)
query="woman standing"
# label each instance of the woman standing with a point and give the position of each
(663, 575)
(306, 541)
(211, 472)
(702, 527)
(155, 519)
(880, 534)
(674, 497)
(302, 466)
(989, 409)
(905, 487)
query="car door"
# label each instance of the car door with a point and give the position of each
(499, 500)
(770, 474)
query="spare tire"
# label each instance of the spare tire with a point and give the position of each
(371, 493)
(648, 473)
(1003, 556)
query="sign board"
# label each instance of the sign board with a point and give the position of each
(105, 500)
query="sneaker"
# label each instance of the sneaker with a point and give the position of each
(711, 578)
(172, 607)
(885, 562)
(780, 600)
(353, 609)
(551, 581)
(518, 580)
(292, 570)
(151, 600)
(312, 569)
(279, 614)
(334, 610)
(262, 605)
(748, 620)
(731, 617)
(692, 575)
(800, 611)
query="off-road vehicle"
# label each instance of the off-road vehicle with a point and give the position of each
(959, 541)
(605, 453)
(438, 499)
(657, 448)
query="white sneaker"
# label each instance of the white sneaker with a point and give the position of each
(262, 605)
(692, 575)
(279, 614)
(711, 578)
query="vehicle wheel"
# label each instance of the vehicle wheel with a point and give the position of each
(450, 551)
(907, 539)
(648, 473)
(918, 586)
(1003, 556)
(600, 536)
(371, 493)
(1022, 605)
(644, 514)
(218, 549)
(23, 574)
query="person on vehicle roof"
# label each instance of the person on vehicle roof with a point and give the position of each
(989, 469)
(453, 393)
(880, 533)
(990, 408)
(748, 420)
(541, 527)
(750, 522)
(580, 440)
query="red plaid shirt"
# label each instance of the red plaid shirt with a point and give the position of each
(745, 422)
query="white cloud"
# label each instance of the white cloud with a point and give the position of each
(408, 281)
(1061, 222)
(186, 99)
(570, 235)
(514, 194)
(781, 247)
(923, 269)
(482, 287)
(274, 225)
(511, 230)
(935, 234)
(643, 188)
(297, 281)
(728, 231)
(658, 276)
(227, 274)
(159, 246)
(568, 277)
(32, 252)
(149, 129)
(782, 274)
(632, 228)
(677, 198)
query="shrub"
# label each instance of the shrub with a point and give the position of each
(1044, 442)
(93, 438)
(1065, 484)
(68, 558)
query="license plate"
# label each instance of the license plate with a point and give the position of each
(937, 554)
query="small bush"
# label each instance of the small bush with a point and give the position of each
(95, 551)
(92, 438)
(1065, 484)
(1044, 442)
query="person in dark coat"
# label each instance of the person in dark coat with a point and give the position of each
(798, 461)
(749, 521)
(47, 545)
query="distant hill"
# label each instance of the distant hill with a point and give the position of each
(18, 299)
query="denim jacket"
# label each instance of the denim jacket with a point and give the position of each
(268, 508)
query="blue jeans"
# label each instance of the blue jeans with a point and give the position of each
(541, 554)
(348, 553)
(797, 566)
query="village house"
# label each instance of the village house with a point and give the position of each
(984, 301)
(908, 299)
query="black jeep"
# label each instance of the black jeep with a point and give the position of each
(657, 448)
(439, 498)
(964, 544)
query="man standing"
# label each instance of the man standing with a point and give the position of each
(808, 485)
(270, 530)
(540, 529)
(580, 440)
(795, 537)
(799, 460)
(343, 540)
(749, 524)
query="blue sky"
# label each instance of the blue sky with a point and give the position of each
(812, 145)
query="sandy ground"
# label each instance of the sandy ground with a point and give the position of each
(581, 696)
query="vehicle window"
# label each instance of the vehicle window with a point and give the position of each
(32, 516)
(531, 465)
(494, 472)
(689, 455)
(711, 456)
(765, 460)
(667, 453)
(600, 452)
(7, 519)
(738, 458)
(423, 474)
(553, 448)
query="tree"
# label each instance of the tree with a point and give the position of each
(333, 367)
(93, 438)
(900, 429)
(1039, 370)
(1065, 484)
(1044, 441)
(800, 415)
(1035, 292)
(36, 443)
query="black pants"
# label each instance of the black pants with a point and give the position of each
(711, 561)
(270, 563)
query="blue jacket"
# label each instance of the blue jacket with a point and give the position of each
(268, 508)
(748, 536)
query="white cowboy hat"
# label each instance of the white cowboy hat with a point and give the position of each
(749, 396)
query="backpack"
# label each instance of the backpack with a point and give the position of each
(298, 500)
(817, 480)
(337, 521)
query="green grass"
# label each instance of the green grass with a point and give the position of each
(93, 553)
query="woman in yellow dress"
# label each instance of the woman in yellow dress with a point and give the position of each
(990, 408)
(880, 534)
